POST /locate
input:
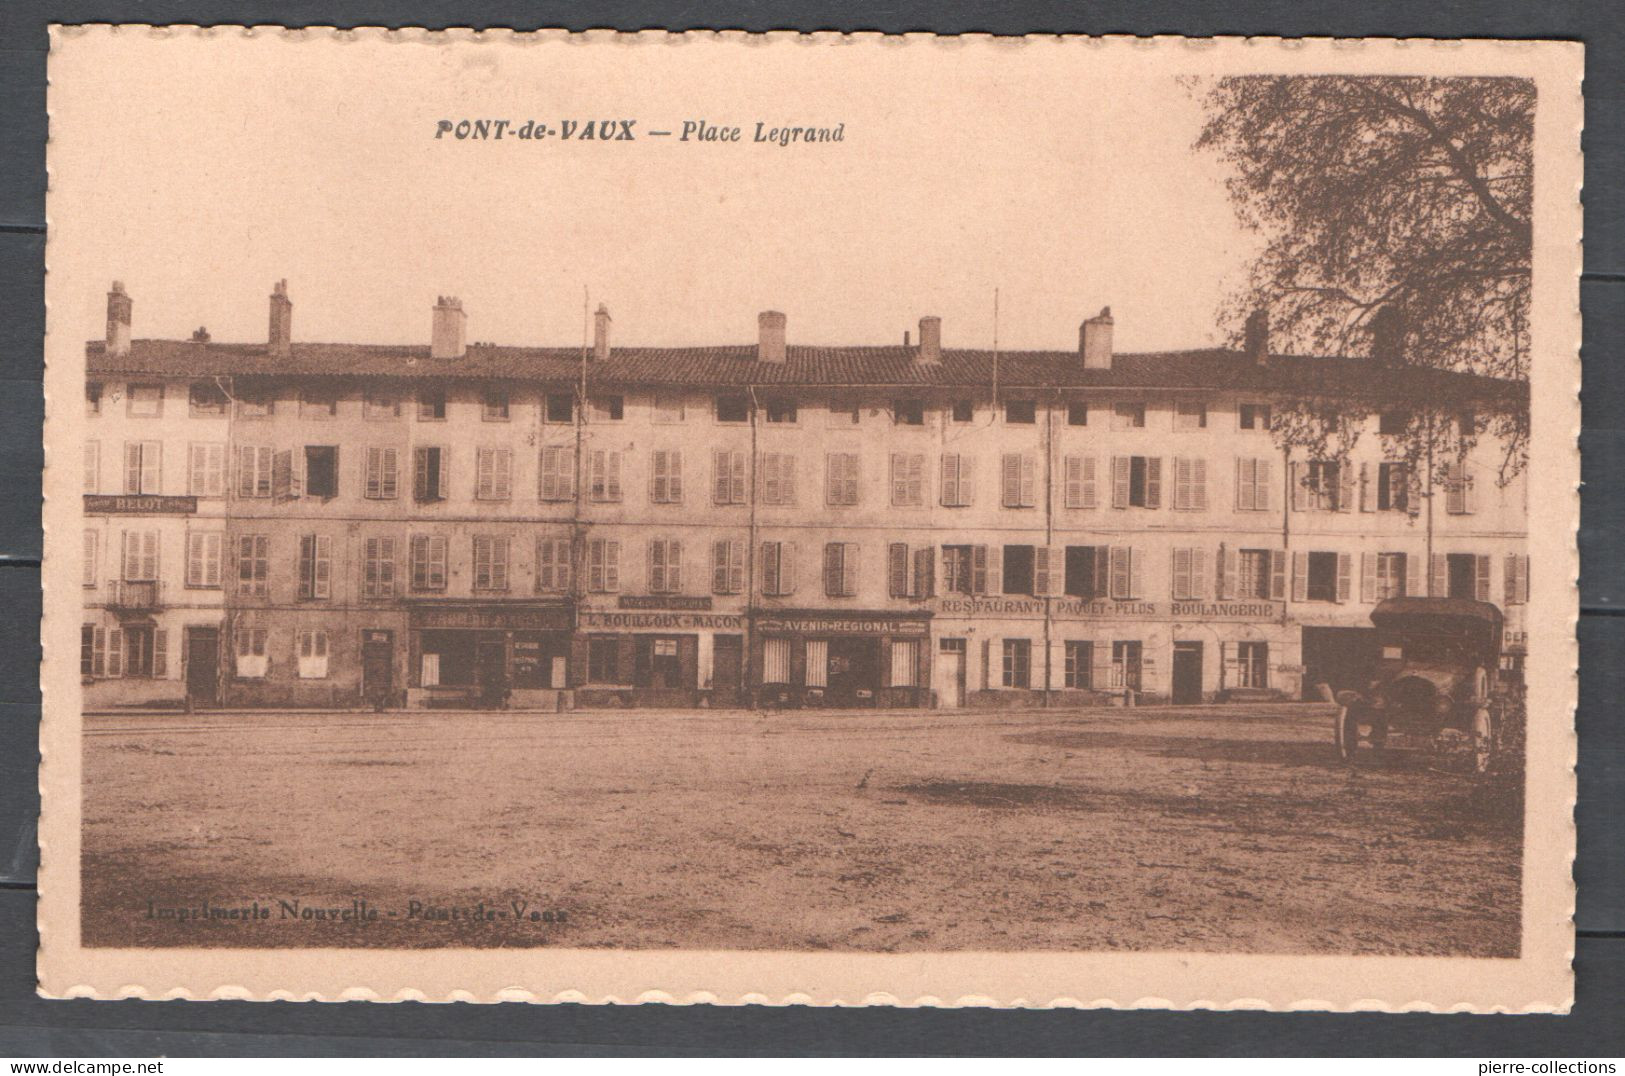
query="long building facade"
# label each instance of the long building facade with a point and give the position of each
(286, 524)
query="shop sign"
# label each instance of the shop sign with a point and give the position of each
(139, 504)
(658, 601)
(1109, 609)
(493, 618)
(839, 626)
(655, 621)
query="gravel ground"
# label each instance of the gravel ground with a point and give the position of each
(1216, 829)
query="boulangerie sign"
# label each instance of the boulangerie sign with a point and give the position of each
(810, 519)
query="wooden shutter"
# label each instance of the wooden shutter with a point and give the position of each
(849, 570)
(771, 581)
(1300, 495)
(1181, 563)
(967, 480)
(1073, 497)
(899, 480)
(1041, 571)
(1090, 495)
(1182, 483)
(925, 571)
(132, 467)
(1455, 499)
(1300, 577)
(1368, 496)
(1153, 482)
(721, 473)
(1439, 576)
(1121, 580)
(719, 566)
(674, 475)
(950, 479)
(1010, 480)
(897, 566)
(1469, 489)
(420, 474)
(832, 568)
(1245, 485)
(152, 454)
(1261, 484)
(1345, 486)
(1368, 576)
(1416, 582)
(1345, 582)
(1029, 481)
(115, 652)
(1199, 589)
(160, 653)
(978, 575)
(1223, 577)
(1199, 484)
(1481, 577)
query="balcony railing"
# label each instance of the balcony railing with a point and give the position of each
(136, 596)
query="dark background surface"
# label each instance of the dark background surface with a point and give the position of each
(33, 1027)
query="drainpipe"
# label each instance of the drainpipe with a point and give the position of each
(1049, 534)
(746, 660)
(1427, 565)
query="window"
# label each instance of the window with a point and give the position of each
(91, 651)
(142, 467)
(606, 408)
(1077, 413)
(557, 480)
(493, 474)
(93, 466)
(428, 561)
(841, 478)
(552, 565)
(1393, 487)
(1018, 481)
(382, 475)
(1459, 498)
(733, 407)
(378, 568)
(1393, 423)
(312, 655)
(1465, 575)
(1021, 412)
(318, 403)
(322, 470)
(1323, 485)
(561, 407)
(665, 566)
(1190, 415)
(668, 407)
(429, 473)
(1127, 572)
(727, 566)
(315, 566)
(775, 661)
(251, 653)
(1466, 422)
(958, 480)
(666, 476)
(1253, 416)
(1320, 577)
(604, 475)
(1079, 664)
(1190, 485)
(93, 397)
(817, 663)
(431, 405)
(140, 556)
(206, 470)
(146, 401)
(1018, 663)
(1189, 574)
(490, 562)
(1126, 664)
(203, 551)
(1388, 577)
(908, 412)
(1018, 569)
(1254, 574)
(603, 565)
(780, 412)
(206, 398)
(1517, 579)
(728, 477)
(905, 658)
(603, 659)
(778, 569)
(907, 480)
(778, 471)
(959, 574)
(844, 413)
(1136, 482)
(494, 405)
(1128, 416)
(1252, 485)
(1086, 571)
(840, 569)
(963, 411)
(910, 577)
(255, 403)
(1252, 664)
(144, 651)
(253, 564)
(253, 471)
(89, 566)
(378, 406)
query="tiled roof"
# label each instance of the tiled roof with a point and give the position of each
(736, 365)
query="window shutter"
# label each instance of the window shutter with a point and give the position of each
(132, 467)
(1010, 480)
(899, 479)
(788, 567)
(1199, 590)
(1244, 486)
(916, 479)
(503, 479)
(897, 567)
(1439, 576)
(1073, 497)
(151, 457)
(849, 570)
(612, 483)
(720, 474)
(1455, 497)
(950, 479)
(420, 474)
(612, 565)
(978, 583)
(1368, 577)
(115, 653)
(967, 480)
(1222, 575)
(1136, 572)
(1181, 573)
(1120, 578)
(1277, 573)
(1153, 482)
(323, 579)
(719, 567)
(1368, 496)
(1300, 495)
(1344, 581)
(657, 565)
(1199, 484)
(925, 571)
(1345, 486)
(1469, 489)
(1029, 481)
(1261, 484)
(160, 653)
(1090, 497)
(995, 569)
(1041, 571)
(1120, 477)
(832, 568)
(770, 567)
(1300, 577)
(1415, 578)
(1481, 577)
(674, 475)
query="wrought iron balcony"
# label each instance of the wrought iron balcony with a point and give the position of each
(137, 596)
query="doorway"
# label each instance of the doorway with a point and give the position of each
(202, 666)
(491, 669)
(948, 677)
(727, 662)
(1187, 673)
(854, 671)
(377, 666)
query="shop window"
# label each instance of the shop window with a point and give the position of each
(428, 556)
(666, 476)
(778, 471)
(1018, 480)
(1252, 485)
(322, 470)
(728, 477)
(379, 406)
(560, 408)
(1253, 416)
(1136, 482)
(207, 398)
(958, 480)
(841, 473)
(775, 661)
(1190, 415)
(1018, 569)
(253, 564)
(1020, 412)
(378, 568)
(146, 401)
(1126, 665)
(1079, 664)
(1077, 413)
(252, 660)
(143, 468)
(206, 470)
(383, 476)
(1253, 664)
(780, 411)
(1018, 663)
(907, 480)
(818, 663)
(318, 403)
(431, 404)
(315, 566)
(963, 411)
(556, 479)
(606, 408)
(733, 407)
(490, 562)
(494, 405)
(1393, 487)
(493, 474)
(908, 412)
(1081, 490)
(253, 471)
(93, 467)
(905, 657)
(312, 655)
(1086, 569)
(1128, 416)
(603, 659)
(430, 473)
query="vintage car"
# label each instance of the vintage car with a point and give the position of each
(1435, 680)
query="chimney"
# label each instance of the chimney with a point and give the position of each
(1387, 337)
(281, 334)
(1095, 340)
(930, 340)
(600, 333)
(200, 335)
(118, 320)
(450, 323)
(770, 336)
(1257, 336)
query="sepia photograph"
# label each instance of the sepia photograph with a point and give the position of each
(548, 506)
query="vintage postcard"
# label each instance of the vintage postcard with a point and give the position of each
(811, 519)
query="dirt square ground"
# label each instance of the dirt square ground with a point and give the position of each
(1215, 829)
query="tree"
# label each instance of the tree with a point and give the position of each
(1397, 213)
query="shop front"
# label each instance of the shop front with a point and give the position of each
(636, 655)
(490, 654)
(842, 659)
